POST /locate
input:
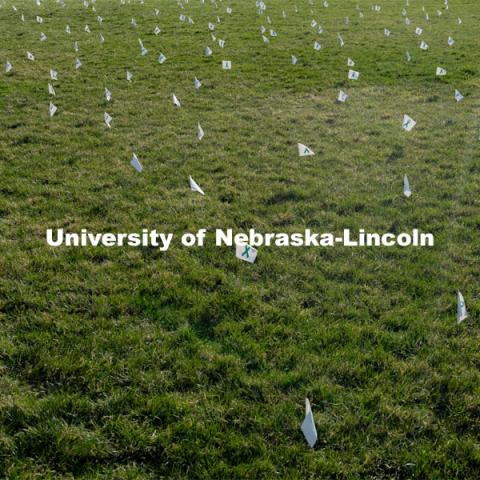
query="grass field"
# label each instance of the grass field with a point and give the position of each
(131, 363)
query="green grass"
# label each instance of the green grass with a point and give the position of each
(130, 363)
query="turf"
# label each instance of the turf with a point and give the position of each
(130, 363)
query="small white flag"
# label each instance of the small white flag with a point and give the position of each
(424, 45)
(308, 426)
(157, 30)
(161, 58)
(43, 37)
(418, 31)
(317, 46)
(450, 41)
(226, 64)
(441, 72)
(194, 186)
(304, 151)
(53, 75)
(408, 123)
(67, 29)
(75, 46)
(78, 64)
(458, 96)
(108, 120)
(408, 57)
(30, 56)
(342, 96)
(221, 43)
(102, 38)
(353, 75)
(459, 21)
(245, 252)
(143, 51)
(208, 52)
(350, 63)
(294, 60)
(197, 83)
(39, 19)
(129, 76)
(406, 187)
(51, 90)
(176, 102)
(387, 32)
(462, 313)
(108, 95)
(340, 40)
(87, 28)
(52, 109)
(200, 132)
(8, 66)
(136, 164)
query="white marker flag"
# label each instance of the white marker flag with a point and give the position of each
(462, 313)
(418, 31)
(441, 72)
(294, 60)
(406, 187)
(458, 96)
(200, 132)
(108, 95)
(208, 52)
(451, 41)
(424, 45)
(161, 58)
(353, 75)
(108, 120)
(78, 64)
(30, 56)
(194, 186)
(308, 426)
(350, 63)
(43, 37)
(408, 123)
(176, 102)
(136, 164)
(226, 64)
(52, 109)
(197, 83)
(53, 75)
(246, 252)
(317, 46)
(342, 96)
(51, 90)
(304, 151)
(129, 76)
(8, 66)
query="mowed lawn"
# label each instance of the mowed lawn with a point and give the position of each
(131, 363)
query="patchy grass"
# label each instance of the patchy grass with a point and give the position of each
(133, 363)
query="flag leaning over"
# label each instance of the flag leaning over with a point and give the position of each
(308, 426)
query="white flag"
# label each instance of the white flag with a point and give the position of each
(78, 64)
(408, 57)
(176, 102)
(451, 41)
(317, 46)
(387, 32)
(226, 64)
(8, 66)
(340, 40)
(462, 313)
(67, 29)
(53, 75)
(87, 28)
(51, 90)
(294, 60)
(304, 151)
(458, 96)
(197, 83)
(161, 58)
(108, 120)
(52, 109)
(108, 95)
(157, 30)
(350, 63)
(308, 426)
(406, 187)
(408, 123)
(30, 56)
(441, 72)
(342, 96)
(208, 51)
(43, 37)
(245, 252)
(418, 31)
(194, 186)
(200, 133)
(353, 75)
(136, 164)
(102, 39)
(129, 76)
(424, 45)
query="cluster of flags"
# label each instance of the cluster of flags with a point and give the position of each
(246, 252)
